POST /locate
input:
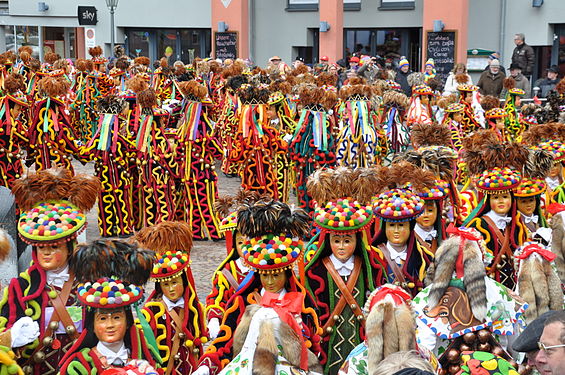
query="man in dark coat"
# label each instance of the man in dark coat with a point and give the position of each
(523, 55)
(490, 82)
(402, 76)
(548, 83)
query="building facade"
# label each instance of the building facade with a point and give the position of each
(184, 29)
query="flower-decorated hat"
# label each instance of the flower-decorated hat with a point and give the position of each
(422, 90)
(398, 205)
(439, 191)
(111, 273)
(274, 233)
(467, 88)
(172, 243)
(497, 179)
(517, 91)
(496, 113)
(54, 205)
(455, 107)
(108, 293)
(530, 187)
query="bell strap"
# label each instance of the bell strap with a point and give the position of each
(394, 267)
(176, 338)
(504, 239)
(346, 296)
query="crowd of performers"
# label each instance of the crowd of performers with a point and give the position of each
(427, 224)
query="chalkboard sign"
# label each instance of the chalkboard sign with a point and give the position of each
(441, 47)
(225, 45)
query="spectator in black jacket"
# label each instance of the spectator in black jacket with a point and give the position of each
(548, 83)
(523, 55)
(402, 76)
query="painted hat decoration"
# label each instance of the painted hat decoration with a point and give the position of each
(455, 107)
(467, 88)
(108, 293)
(484, 363)
(229, 222)
(556, 148)
(517, 91)
(343, 215)
(498, 179)
(496, 113)
(439, 191)
(398, 205)
(271, 253)
(530, 187)
(422, 90)
(51, 222)
(393, 85)
(169, 264)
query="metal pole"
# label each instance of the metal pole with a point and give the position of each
(112, 31)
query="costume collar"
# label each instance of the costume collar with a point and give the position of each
(501, 221)
(281, 293)
(397, 253)
(552, 182)
(343, 268)
(58, 278)
(242, 267)
(110, 355)
(427, 234)
(171, 305)
(530, 219)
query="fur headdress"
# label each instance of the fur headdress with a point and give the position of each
(552, 131)
(538, 282)
(142, 60)
(253, 94)
(390, 325)
(110, 104)
(193, 90)
(112, 258)
(226, 204)
(424, 135)
(461, 78)
(13, 83)
(438, 160)
(54, 86)
(467, 253)
(393, 98)
(95, 51)
(51, 57)
(166, 236)
(56, 184)
(356, 91)
(489, 102)
(271, 217)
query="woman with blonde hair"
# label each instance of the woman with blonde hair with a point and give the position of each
(396, 362)
(453, 81)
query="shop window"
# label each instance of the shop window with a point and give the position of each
(28, 36)
(167, 45)
(397, 4)
(312, 5)
(138, 43)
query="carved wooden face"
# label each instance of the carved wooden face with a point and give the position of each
(110, 326)
(274, 282)
(397, 232)
(429, 216)
(526, 205)
(173, 289)
(343, 245)
(52, 257)
(239, 241)
(501, 203)
(453, 309)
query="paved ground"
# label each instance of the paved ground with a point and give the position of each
(206, 255)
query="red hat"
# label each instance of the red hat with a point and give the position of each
(324, 58)
(354, 59)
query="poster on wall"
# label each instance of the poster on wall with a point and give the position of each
(225, 45)
(89, 38)
(441, 46)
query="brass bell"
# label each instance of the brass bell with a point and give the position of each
(499, 266)
(195, 350)
(28, 370)
(177, 356)
(353, 306)
(53, 325)
(411, 285)
(47, 341)
(360, 317)
(182, 335)
(336, 317)
(503, 256)
(329, 330)
(39, 357)
(70, 330)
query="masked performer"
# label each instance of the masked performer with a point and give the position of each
(420, 110)
(54, 206)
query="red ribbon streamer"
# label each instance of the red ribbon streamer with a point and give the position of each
(465, 234)
(286, 308)
(398, 295)
(535, 248)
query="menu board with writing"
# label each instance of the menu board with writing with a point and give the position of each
(441, 47)
(225, 45)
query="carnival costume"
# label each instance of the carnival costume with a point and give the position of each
(270, 250)
(112, 151)
(313, 143)
(462, 309)
(357, 145)
(110, 338)
(177, 319)
(514, 127)
(14, 114)
(397, 133)
(469, 122)
(197, 152)
(418, 112)
(54, 205)
(342, 269)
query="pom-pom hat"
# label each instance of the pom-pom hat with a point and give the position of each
(556, 148)
(169, 265)
(517, 91)
(496, 113)
(108, 293)
(393, 85)
(530, 187)
(344, 215)
(438, 192)
(467, 88)
(497, 180)
(422, 90)
(271, 253)
(455, 107)
(398, 205)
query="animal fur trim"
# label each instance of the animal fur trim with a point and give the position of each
(424, 135)
(5, 245)
(558, 244)
(271, 217)
(95, 51)
(243, 328)
(166, 236)
(489, 102)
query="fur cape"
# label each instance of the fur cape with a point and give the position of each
(388, 330)
(539, 285)
(441, 271)
(266, 352)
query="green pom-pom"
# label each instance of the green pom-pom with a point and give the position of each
(52, 294)
(28, 312)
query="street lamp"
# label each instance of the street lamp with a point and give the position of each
(112, 5)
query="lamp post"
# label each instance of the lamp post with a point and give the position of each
(112, 5)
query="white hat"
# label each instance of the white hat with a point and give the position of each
(495, 62)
